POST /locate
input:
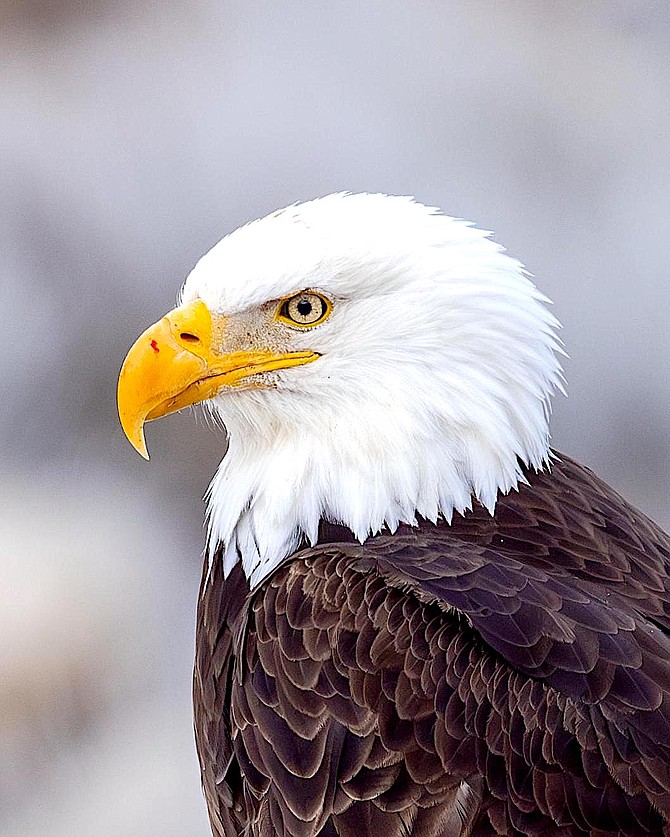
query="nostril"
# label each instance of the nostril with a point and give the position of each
(187, 337)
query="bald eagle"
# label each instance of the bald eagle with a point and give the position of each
(415, 617)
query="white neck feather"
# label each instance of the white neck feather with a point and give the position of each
(270, 493)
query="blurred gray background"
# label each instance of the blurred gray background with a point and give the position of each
(133, 136)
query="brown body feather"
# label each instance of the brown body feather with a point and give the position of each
(496, 675)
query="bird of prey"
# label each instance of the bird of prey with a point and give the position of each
(415, 616)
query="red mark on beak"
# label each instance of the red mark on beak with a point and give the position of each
(154, 346)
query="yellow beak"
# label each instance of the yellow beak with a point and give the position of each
(175, 363)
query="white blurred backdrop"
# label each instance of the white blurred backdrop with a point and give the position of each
(133, 135)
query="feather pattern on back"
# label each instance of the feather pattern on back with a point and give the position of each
(505, 674)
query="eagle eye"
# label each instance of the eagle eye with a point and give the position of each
(306, 309)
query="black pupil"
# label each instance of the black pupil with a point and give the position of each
(304, 308)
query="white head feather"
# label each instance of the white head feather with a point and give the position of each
(436, 370)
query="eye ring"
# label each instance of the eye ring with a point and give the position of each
(304, 310)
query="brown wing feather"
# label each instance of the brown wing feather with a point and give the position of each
(502, 675)
(219, 608)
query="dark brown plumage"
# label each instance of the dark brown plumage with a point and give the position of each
(498, 675)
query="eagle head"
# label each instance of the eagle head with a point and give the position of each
(371, 360)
